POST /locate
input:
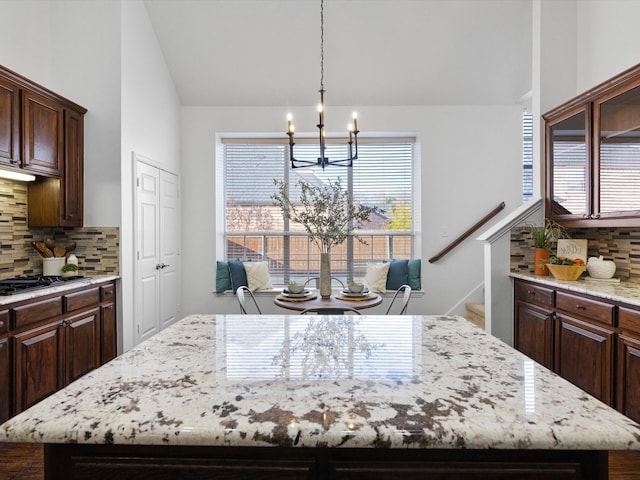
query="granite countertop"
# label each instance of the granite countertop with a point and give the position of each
(334, 381)
(625, 292)
(59, 288)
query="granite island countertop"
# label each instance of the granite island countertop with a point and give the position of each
(434, 382)
(623, 291)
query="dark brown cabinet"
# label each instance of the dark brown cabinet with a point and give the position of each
(584, 356)
(593, 156)
(42, 133)
(534, 322)
(594, 343)
(9, 123)
(5, 368)
(57, 339)
(628, 371)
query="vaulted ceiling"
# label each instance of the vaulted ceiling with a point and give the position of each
(377, 52)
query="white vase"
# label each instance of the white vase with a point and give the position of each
(325, 275)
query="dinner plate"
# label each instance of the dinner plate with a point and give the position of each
(303, 293)
(348, 293)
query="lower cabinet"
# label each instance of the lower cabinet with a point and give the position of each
(49, 351)
(591, 342)
(584, 356)
(5, 380)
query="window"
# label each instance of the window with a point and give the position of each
(527, 156)
(255, 230)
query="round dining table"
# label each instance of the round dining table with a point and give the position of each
(334, 305)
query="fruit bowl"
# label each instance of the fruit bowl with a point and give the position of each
(566, 272)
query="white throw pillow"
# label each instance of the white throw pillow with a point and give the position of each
(257, 275)
(376, 277)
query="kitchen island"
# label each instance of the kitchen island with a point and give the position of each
(376, 397)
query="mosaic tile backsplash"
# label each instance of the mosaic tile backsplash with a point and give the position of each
(622, 245)
(97, 248)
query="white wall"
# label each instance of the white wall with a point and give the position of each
(150, 127)
(471, 161)
(608, 40)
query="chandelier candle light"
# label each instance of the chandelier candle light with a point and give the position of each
(323, 161)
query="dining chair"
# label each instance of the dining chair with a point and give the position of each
(243, 293)
(317, 282)
(406, 296)
(329, 310)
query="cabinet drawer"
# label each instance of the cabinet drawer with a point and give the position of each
(83, 299)
(4, 321)
(629, 319)
(107, 292)
(36, 311)
(585, 307)
(534, 294)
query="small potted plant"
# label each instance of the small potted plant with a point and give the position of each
(70, 270)
(355, 287)
(543, 237)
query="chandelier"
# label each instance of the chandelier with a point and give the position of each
(322, 160)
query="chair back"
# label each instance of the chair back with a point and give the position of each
(330, 310)
(405, 290)
(243, 294)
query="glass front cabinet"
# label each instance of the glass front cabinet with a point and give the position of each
(593, 156)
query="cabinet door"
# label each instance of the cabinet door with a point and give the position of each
(568, 166)
(42, 132)
(534, 333)
(37, 355)
(72, 187)
(5, 382)
(617, 153)
(584, 356)
(108, 333)
(628, 393)
(9, 123)
(82, 339)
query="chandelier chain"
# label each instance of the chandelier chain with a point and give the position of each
(322, 45)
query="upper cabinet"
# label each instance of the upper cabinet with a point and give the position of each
(593, 156)
(42, 133)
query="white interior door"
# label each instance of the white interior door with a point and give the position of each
(148, 252)
(156, 295)
(169, 248)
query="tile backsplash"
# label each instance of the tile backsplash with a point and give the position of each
(622, 245)
(97, 248)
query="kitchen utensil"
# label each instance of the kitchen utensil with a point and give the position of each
(50, 243)
(42, 249)
(71, 246)
(59, 251)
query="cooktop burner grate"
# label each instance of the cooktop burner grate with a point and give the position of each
(12, 286)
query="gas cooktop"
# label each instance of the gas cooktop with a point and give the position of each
(12, 286)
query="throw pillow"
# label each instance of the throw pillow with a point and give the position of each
(257, 276)
(376, 277)
(238, 274)
(223, 277)
(398, 274)
(413, 272)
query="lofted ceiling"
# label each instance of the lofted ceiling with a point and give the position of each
(377, 52)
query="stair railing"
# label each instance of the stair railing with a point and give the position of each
(467, 234)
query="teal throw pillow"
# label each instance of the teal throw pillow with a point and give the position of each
(223, 277)
(238, 275)
(413, 272)
(398, 274)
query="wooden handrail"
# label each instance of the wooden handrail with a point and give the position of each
(466, 234)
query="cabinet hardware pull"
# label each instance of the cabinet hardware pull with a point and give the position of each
(1, 324)
(580, 307)
(531, 292)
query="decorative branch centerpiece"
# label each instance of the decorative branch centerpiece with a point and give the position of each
(328, 214)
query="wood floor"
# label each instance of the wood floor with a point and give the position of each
(24, 462)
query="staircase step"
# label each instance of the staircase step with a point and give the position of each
(475, 313)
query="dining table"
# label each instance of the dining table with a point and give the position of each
(339, 301)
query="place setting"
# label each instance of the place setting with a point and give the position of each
(295, 292)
